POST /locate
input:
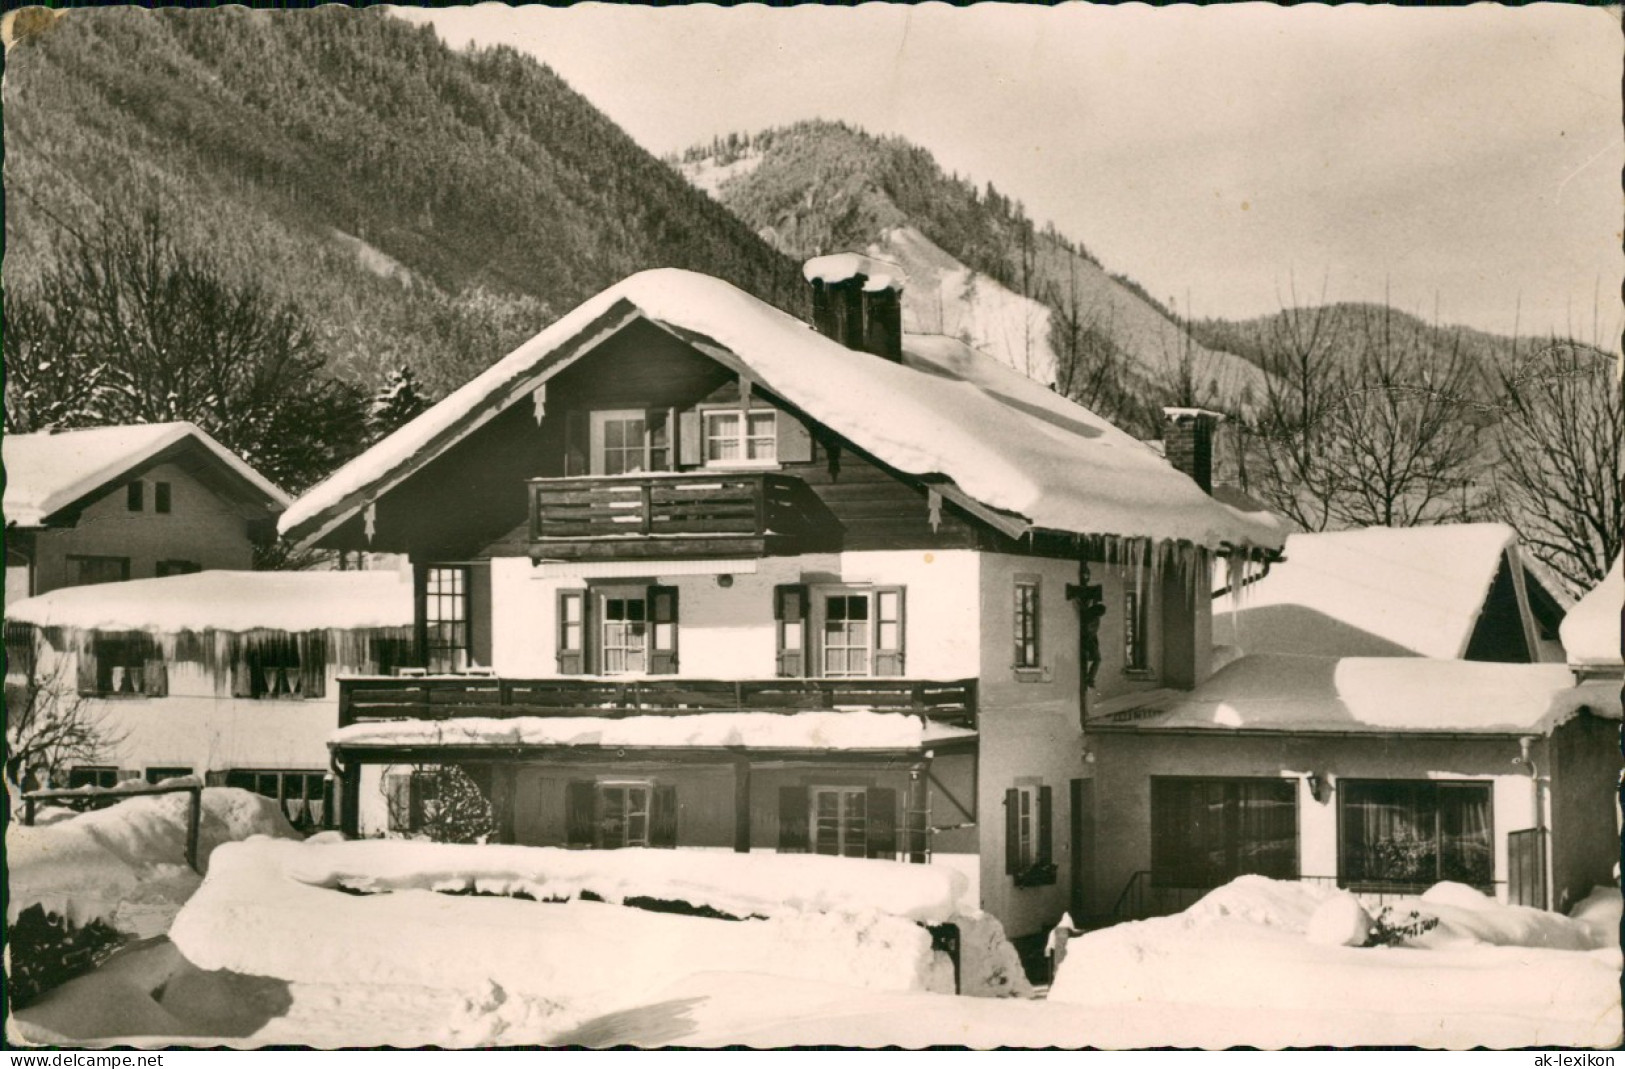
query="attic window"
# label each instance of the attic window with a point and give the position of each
(736, 437)
(160, 497)
(135, 496)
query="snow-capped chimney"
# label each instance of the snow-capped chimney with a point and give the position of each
(1187, 437)
(858, 302)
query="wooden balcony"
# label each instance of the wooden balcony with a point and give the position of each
(698, 514)
(444, 697)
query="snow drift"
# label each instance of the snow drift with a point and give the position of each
(1490, 974)
(126, 864)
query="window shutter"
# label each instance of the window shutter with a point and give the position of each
(313, 665)
(881, 804)
(154, 675)
(580, 816)
(87, 668)
(1012, 831)
(398, 793)
(889, 631)
(795, 444)
(690, 442)
(576, 446)
(572, 632)
(663, 635)
(1046, 826)
(663, 816)
(790, 610)
(793, 803)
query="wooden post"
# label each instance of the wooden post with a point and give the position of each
(742, 805)
(504, 788)
(28, 812)
(194, 814)
(350, 800)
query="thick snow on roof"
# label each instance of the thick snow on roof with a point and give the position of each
(1057, 464)
(1284, 692)
(840, 266)
(1377, 592)
(752, 731)
(1591, 630)
(46, 472)
(227, 601)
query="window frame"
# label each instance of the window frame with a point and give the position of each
(843, 818)
(816, 646)
(602, 789)
(155, 774)
(103, 777)
(439, 654)
(134, 650)
(1437, 788)
(297, 809)
(742, 437)
(603, 595)
(654, 420)
(1136, 633)
(1230, 839)
(1027, 624)
(76, 561)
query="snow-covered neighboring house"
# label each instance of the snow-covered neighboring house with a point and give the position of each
(691, 573)
(226, 675)
(107, 504)
(1380, 774)
(1453, 591)
(1591, 630)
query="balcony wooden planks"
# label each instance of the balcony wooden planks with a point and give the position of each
(731, 514)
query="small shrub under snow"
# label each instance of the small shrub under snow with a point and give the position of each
(1340, 921)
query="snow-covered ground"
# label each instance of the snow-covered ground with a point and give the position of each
(126, 864)
(272, 949)
(1489, 974)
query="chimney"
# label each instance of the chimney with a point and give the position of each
(1187, 436)
(858, 301)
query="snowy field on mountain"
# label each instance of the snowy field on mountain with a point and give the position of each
(524, 970)
(1490, 975)
(126, 864)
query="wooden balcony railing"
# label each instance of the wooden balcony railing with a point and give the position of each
(721, 513)
(444, 697)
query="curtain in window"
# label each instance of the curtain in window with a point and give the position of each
(1205, 833)
(1416, 832)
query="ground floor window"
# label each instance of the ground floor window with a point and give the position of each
(158, 774)
(93, 776)
(1415, 832)
(612, 814)
(304, 796)
(1206, 832)
(122, 665)
(1029, 834)
(838, 820)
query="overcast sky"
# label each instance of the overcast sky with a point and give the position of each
(1464, 159)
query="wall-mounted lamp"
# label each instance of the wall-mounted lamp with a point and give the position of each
(1318, 786)
(725, 581)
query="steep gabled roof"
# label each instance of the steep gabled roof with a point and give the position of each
(1413, 591)
(1015, 449)
(48, 474)
(1591, 630)
(1370, 695)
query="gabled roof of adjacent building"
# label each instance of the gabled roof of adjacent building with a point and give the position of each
(50, 474)
(1380, 592)
(1003, 442)
(1282, 693)
(1591, 630)
(227, 601)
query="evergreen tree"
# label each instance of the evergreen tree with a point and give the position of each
(397, 401)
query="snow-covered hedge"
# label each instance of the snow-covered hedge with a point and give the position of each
(740, 885)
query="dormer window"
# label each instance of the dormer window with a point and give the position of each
(734, 436)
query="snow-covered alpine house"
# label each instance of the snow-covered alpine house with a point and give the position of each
(108, 504)
(229, 676)
(689, 573)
